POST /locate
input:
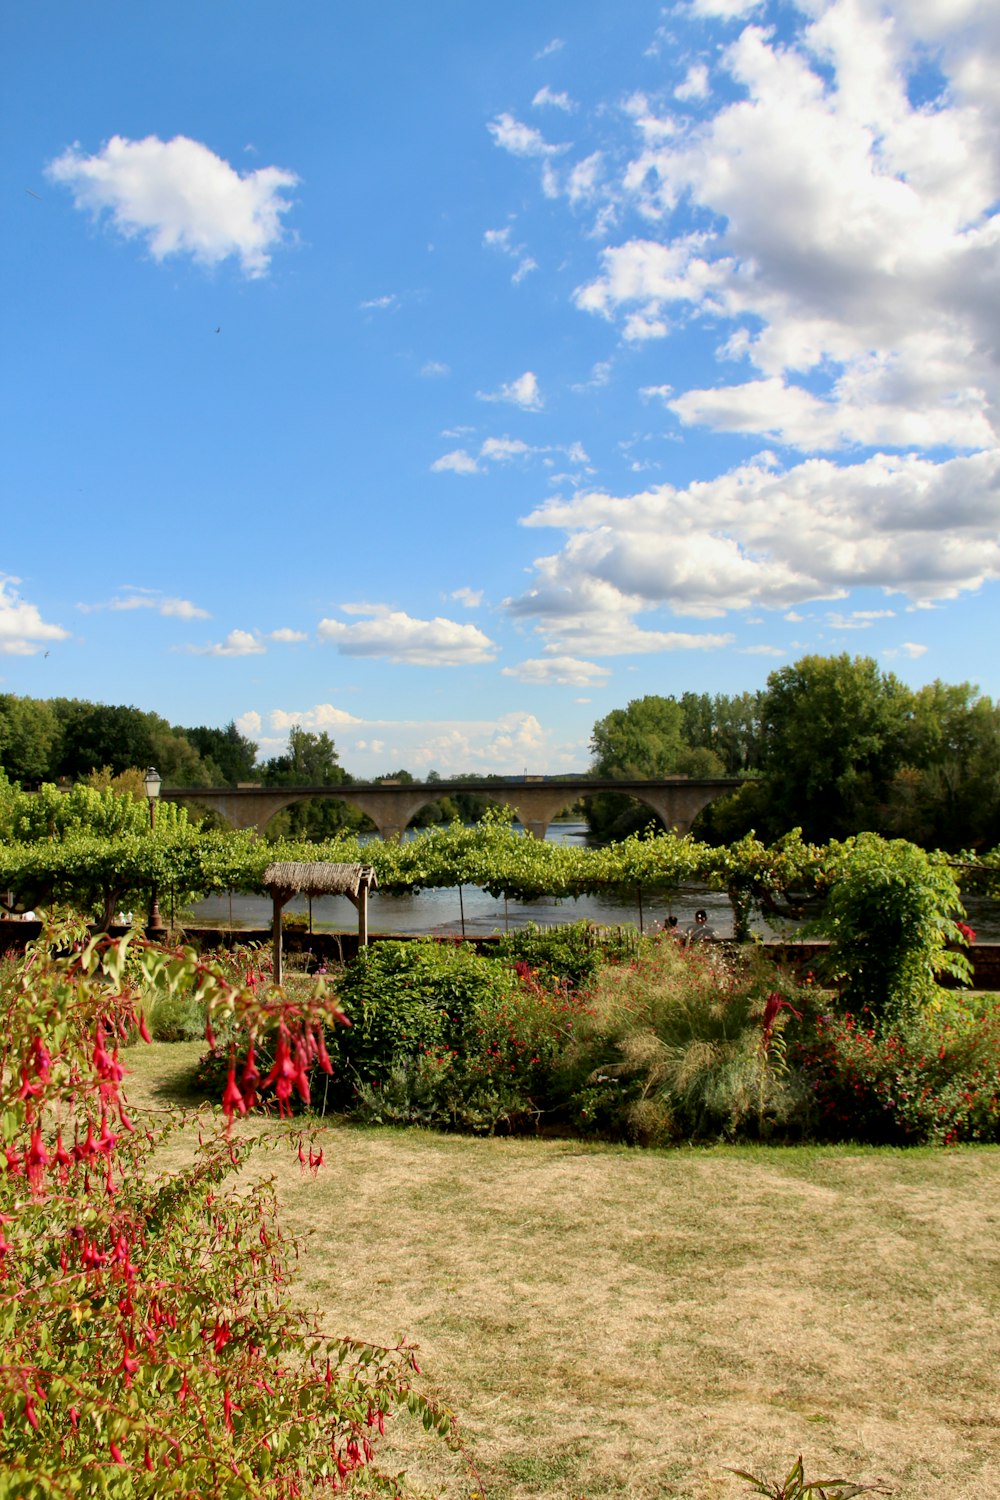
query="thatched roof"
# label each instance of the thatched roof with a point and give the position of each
(317, 879)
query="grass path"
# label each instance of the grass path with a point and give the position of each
(616, 1323)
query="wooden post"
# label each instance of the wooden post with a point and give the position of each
(363, 914)
(276, 937)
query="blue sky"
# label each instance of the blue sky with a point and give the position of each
(445, 375)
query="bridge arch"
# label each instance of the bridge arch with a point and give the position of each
(535, 801)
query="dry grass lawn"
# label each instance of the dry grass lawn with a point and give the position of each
(609, 1322)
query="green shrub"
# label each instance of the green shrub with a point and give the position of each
(443, 1036)
(176, 1018)
(890, 916)
(570, 954)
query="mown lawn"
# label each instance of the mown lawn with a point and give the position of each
(621, 1323)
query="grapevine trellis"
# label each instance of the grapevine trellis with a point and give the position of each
(98, 873)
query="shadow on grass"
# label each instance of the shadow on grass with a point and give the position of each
(163, 1074)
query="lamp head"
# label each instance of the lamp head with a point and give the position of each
(151, 781)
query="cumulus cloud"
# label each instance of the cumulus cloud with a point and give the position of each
(451, 746)
(519, 139)
(523, 392)
(547, 96)
(236, 643)
(286, 635)
(725, 10)
(394, 635)
(756, 536)
(180, 198)
(250, 724)
(910, 649)
(322, 717)
(23, 632)
(471, 598)
(560, 671)
(458, 461)
(848, 239)
(695, 85)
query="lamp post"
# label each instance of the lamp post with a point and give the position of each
(151, 782)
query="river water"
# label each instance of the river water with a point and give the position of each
(448, 911)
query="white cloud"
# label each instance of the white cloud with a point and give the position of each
(181, 198)
(505, 744)
(501, 239)
(756, 537)
(394, 635)
(726, 10)
(287, 636)
(695, 85)
(600, 375)
(560, 671)
(236, 643)
(858, 619)
(546, 96)
(556, 45)
(909, 648)
(522, 392)
(380, 304)
(434, 368)
(23, 632)
(458, 461)
(507, 450)
(849, 240)
(323, 717)
(584, 181)
(179, 609)
(471, 598)
(761, 651)
(249, 724)
(520, 139)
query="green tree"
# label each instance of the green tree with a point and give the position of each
(834, 731)
(310, 760)
(233, 754)
(29, 739)
(947, 795)
(645, 739)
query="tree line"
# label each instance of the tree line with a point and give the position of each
(69, 741)
(831, 745)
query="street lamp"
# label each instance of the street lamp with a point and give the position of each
(151, 782)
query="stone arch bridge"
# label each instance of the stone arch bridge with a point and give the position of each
(535, 800)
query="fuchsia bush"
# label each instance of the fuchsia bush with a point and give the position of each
(147, 1342)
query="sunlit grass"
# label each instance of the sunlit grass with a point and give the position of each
(611, 1322)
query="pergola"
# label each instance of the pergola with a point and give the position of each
(286, 879)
